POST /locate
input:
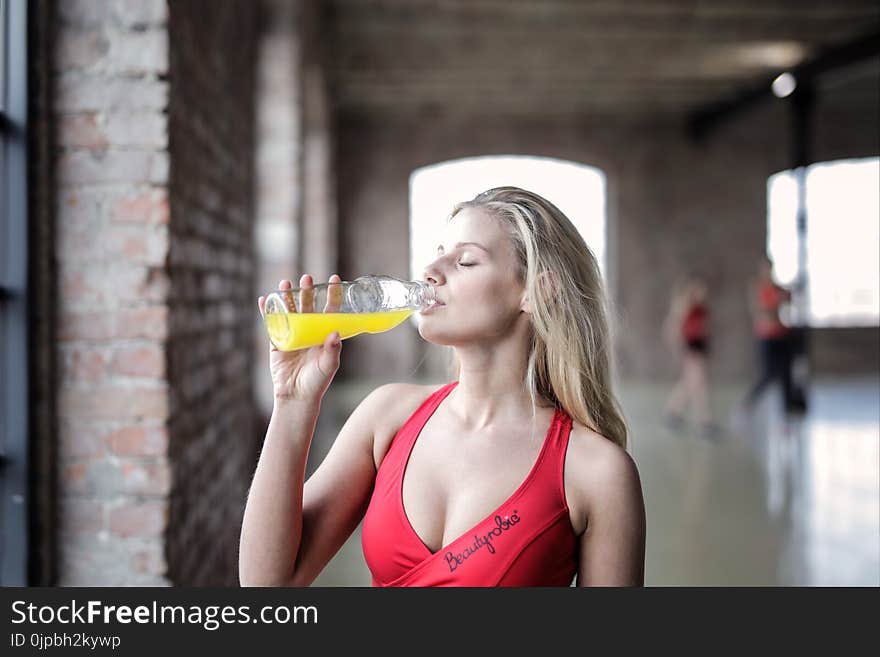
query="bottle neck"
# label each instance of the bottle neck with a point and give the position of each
(424, 294)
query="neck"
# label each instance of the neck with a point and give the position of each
(491, 388)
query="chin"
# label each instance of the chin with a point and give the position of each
(436, 335)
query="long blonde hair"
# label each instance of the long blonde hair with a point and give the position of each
(570, 350)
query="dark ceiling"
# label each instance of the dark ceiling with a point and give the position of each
(555, 57)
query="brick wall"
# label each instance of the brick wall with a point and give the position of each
(212, 446)
(110, 300)
(153, 121)
(673, 207)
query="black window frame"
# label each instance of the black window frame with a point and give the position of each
(14, 342)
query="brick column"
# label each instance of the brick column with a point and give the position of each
(213, 443)
(111, 246)
(154, 119)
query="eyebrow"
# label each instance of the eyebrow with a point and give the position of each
(460, 244)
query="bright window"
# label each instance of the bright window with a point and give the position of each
(843, 239)
(577, 190)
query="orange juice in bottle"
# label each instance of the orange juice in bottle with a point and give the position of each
(297, 319)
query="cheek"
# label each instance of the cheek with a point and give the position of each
(479, 309)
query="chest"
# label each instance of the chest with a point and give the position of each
(452, 480)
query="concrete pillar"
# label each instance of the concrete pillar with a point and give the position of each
(319, 245)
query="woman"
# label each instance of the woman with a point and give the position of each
(772, 337)
(687, 331)
(514, 474)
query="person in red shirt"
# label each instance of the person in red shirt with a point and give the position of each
(772, 336)
(687, 331)
(513, 473)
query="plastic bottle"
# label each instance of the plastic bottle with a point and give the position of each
(368, 304)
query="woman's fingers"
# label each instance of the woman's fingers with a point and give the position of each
(334, 294)
(306, 294)
(261, 304)
(284, 286)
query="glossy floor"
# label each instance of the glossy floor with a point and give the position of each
(769, 501)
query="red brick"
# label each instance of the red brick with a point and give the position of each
(81, 516)
(149, 206)
(140, 129)
(113, 403)
(76, 93)
(78, 240)
(79, 49)
(145, 519)
(79, 285)
(154, 285)
(86, 326)
(94, 477)
(84, 365)
(81, 440)
(139, 441)
(139, 13)
(82, 12)
(94, 167)
(81, 131)
(138, 52)
(120, 284)
(146, 478)
(73, 476)
(138, 244)
(150, 323)
(150, 560)
(146, 361)
(79, 205)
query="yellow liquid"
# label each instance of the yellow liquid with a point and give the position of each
(291, 331)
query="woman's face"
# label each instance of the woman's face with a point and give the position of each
(474, 275)
(699, 291)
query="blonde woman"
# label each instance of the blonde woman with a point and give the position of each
(513, 474)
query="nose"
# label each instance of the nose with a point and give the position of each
(433, 275)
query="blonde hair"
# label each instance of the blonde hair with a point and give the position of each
(570, 351)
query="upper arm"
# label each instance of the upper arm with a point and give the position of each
(335, 497)
(612, 549)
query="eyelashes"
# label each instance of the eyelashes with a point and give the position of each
(466, 264)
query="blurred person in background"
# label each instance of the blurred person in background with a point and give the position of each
(686, 331)
(772, 336)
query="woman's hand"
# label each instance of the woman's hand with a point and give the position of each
(305, 374)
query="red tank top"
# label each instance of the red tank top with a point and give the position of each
(694, 326)
(768, 325)
(527, 541)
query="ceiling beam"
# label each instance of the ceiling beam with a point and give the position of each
(702, 122)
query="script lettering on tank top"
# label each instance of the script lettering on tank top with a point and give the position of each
(454, 560)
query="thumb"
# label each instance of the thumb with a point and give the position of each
(328, 360)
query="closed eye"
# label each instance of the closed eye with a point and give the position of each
(466, 264)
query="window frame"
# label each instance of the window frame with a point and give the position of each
(14, 343)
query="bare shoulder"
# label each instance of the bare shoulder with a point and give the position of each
(597, 473)
(390, 406)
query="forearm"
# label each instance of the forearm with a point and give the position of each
(271, 530)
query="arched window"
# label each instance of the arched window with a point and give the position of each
(843, 239)
(576, 189)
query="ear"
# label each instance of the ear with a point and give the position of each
(548, 284)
